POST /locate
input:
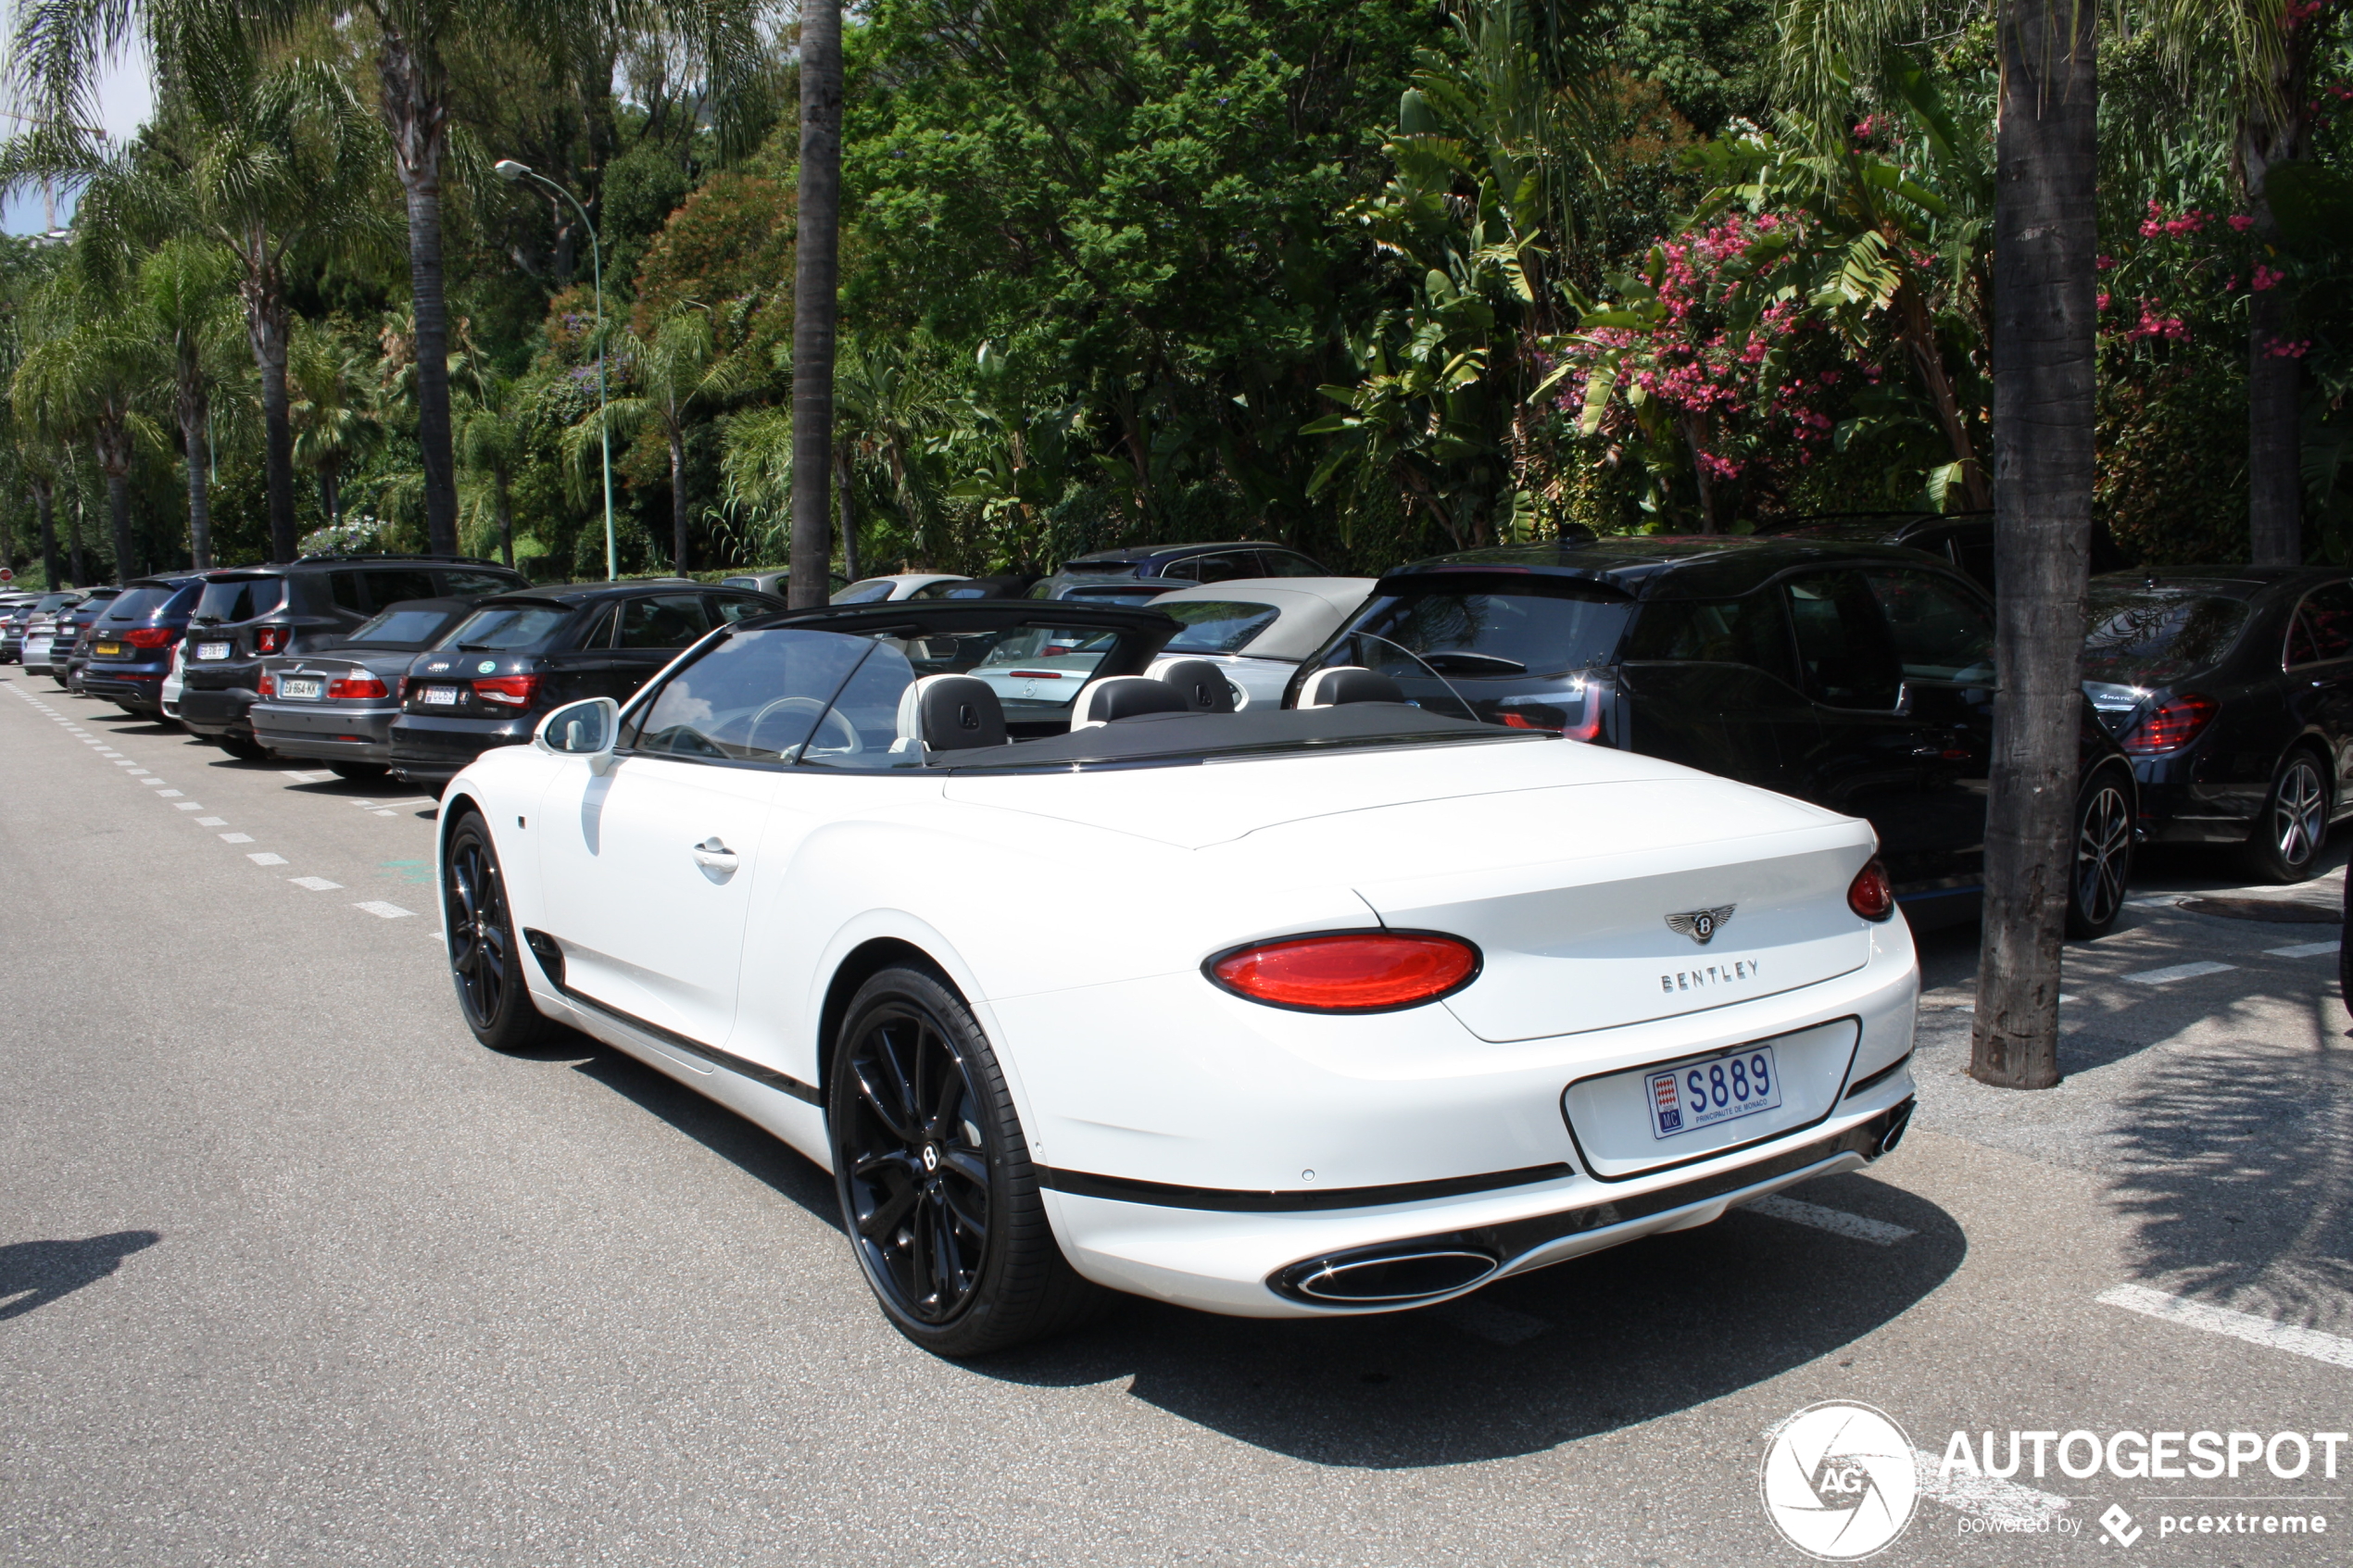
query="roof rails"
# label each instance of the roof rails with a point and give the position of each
(389, 554)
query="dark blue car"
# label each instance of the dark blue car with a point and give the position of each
(132, 640)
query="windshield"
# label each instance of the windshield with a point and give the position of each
(1219, 625)
(402, 628)
(498, 627)
(2155, 636)
(240, 599)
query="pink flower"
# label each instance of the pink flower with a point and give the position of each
(2282, 349)
(2104, 262)
(2104, 299)
(2266, 278)
(2240, 222)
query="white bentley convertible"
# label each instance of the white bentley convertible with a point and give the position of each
(1287, 1012)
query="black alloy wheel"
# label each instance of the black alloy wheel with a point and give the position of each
(2294, 824)
(485, 960)
(937, 1192)
(2103, 856)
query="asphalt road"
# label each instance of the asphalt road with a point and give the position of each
(293, 1272)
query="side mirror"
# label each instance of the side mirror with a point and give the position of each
(582, 728)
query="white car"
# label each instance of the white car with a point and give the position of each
(900, 585)
(1290, 1012)
(1257, 629)
(172, 681)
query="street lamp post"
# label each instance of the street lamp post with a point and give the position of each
(512, 171)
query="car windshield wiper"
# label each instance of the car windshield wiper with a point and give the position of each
(1476, 664)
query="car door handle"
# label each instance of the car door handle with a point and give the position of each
(714, 856)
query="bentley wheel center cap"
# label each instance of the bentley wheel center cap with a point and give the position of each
(931, 1157)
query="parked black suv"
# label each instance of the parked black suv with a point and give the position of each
(243, 616)
(489, 681)
(1856, 676)
(131, 644)
(71, 651)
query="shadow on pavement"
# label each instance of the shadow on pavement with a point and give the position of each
(33, 1273)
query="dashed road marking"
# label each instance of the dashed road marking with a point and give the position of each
(2179, 972)
(2334, 1349)
(2302, 950)
(152, 782)
(377, 906)
(316, 883)
(210, 821)
(1487, 1321)
(263, 858)
(184, 804)
(1835, 1221)
(236, 838)
(381, 813)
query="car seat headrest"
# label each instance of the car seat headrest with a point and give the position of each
(951, 714)
(1348, 683)
(1123, 697)
(1199, 682)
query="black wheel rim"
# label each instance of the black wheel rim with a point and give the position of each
(477, 912)
(2103, 854)
(2297, 809)
(914, 1164)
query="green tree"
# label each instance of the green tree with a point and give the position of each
(96, 362)
(680, 371)
(183, 288)
(326, 385)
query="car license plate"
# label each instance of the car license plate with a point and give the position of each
(441, 696)
(212, 650)
(109, 649)
(1707, 1093)
(295, 689)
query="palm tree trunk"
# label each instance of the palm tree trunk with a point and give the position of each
(2273, 130)
(1928, 356)
(2045, 311)
(504, 506)
(192, 424)
(679, 498)
(111, 444)
(44, 505)
(815, 275)
(416, 112)
(849, 521)
(73, 540)
(267, 329)
(330, 490)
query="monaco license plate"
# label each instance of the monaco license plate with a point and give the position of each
(1705, 1093)
(109, 650)
(441, 696)
(301, 689)
(212, 650)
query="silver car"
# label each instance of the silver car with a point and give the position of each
(1257, 629)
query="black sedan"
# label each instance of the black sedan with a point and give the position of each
(337, 704)
(520, 655)
(2232, 688)
(1857, 676)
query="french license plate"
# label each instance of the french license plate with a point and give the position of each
(300, 690)
(441, 696)
(212, 650)
(109, 650)
(1707, 1093)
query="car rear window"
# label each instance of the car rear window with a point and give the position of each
(1219, 625)
(872, 591)
(496, 628)
(136, 604)
(1480, 624)
(240, 599)
(401, 628)
(2153, 636)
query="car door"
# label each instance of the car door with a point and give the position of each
(1711, 684)
(648, 870)
(2318, 670)
(654, 630)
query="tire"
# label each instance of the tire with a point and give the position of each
(2345, 950)
(932, 1170)
(2103, 868)
(2285, 844)
(486, 955)
(358, 773)
(245, 749)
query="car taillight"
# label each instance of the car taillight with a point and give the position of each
(270, 639)
(400, 690)
(149, 636)
(512, 691)
(1350, 971)
(267, 685)
(2177, 722)
(355, 686)
(1870, 895)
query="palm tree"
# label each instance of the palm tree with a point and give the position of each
(678, 371)
(324, 385)
(489, 445)
(816, 273)
(96, 362)
(183, 290)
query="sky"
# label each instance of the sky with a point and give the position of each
(125, 98)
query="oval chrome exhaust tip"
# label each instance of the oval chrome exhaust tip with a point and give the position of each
(1385, 1277)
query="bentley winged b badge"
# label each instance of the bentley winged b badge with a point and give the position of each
(1701, 925)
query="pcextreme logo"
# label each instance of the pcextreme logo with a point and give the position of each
(1839, 1480)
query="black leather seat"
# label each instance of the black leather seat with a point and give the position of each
(958, 713)
(1199, 682)
(1123, 697)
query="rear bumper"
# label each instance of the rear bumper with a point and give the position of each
(132, 687)
(428, 750)
(212, 712)
(337, 734)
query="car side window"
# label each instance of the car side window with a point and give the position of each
(1283, 563)
(2322, 629)
(1225, 568)
(344, 588)
(1941, 633)
(861, 730)
(1749, 630)
(730, 609)
(754, 697)
(600, 633)
(471, 585)
(1843, 651)
(664, 620)
(391, 587)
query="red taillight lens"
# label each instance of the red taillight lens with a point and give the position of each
(270, 639)
(1354, 971)
(149, 636)
(267, 685)
(356, 687)
(512, 691)
(400, 690)
(2177, 722)
(1870, 895)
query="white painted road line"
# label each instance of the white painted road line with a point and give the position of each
(2302, 950)
(2334, 1349)
(2178, 972)
(236, 838)
(267, 858)
(316, 883)
(210, 821)
(184, 804)
(1486, 1321)
(1835, 1221)
(383, 910)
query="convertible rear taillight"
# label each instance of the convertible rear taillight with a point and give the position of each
(1870, 895)
(270, 639)
(267, 684)
(149, 636)
(2177, 722)
(510, 691)
(355, 686)
(1348, 972)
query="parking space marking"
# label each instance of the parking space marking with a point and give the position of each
(152, 782)
(2334, 1349)
(210, 821)
(383, 910)
(1484, 1320)
(316, 883)
(2179, 972)
(2302, 950)
(184, 804)
(381, 813)
(1835, 1221)
(236, 838)
(263, 858)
